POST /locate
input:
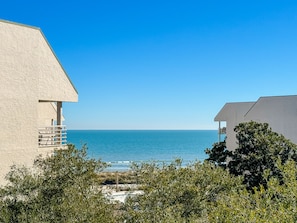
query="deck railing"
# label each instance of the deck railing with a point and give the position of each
(52, 136)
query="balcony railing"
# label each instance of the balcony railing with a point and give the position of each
(52, 136)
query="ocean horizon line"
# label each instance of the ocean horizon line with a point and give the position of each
(122, 147)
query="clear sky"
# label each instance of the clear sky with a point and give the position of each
(165, 64)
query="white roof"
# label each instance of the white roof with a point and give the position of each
(233, 109)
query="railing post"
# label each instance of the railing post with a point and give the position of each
(52, 136)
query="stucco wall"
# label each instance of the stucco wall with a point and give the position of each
(29, 72)
(54, 83)
(18, 97)
(47, 111)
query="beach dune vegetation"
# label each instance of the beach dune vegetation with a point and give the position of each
(63, 187)
(173, 193)
(275, 203)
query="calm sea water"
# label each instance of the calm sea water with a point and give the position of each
(121, 147)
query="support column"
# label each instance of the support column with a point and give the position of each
(59, 113)
(59, 122)
(219, 131)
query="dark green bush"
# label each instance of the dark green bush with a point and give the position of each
(63, 187)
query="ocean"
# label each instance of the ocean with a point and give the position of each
(122, 147)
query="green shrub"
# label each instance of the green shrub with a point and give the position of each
(277, 203)
(177, 194)
(63, 187)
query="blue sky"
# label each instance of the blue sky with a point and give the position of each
(165, 64)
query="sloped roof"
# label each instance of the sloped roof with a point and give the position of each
(264, 105)
(233, 108)
(273, 104)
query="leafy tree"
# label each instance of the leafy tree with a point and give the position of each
(63, 187)
(218, 154)
(258, 150)
(173, 193)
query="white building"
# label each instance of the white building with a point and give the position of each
(33, 86)
(280, 112)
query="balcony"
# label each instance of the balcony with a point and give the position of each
(52, 136)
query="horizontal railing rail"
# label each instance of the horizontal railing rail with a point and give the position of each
(52, 136)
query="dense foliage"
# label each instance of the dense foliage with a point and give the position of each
(178, 194)
(218, 154)
(258, 184)
(276, 204)
(63, 187)
(258, 150)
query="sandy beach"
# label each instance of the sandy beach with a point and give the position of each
(119, 193)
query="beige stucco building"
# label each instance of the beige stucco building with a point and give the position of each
(280, 112)
(33, 86)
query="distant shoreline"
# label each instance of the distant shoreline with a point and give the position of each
(120, 148)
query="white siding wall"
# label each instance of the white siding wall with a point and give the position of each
(279, 112)
(231, 142)
(233, 114)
